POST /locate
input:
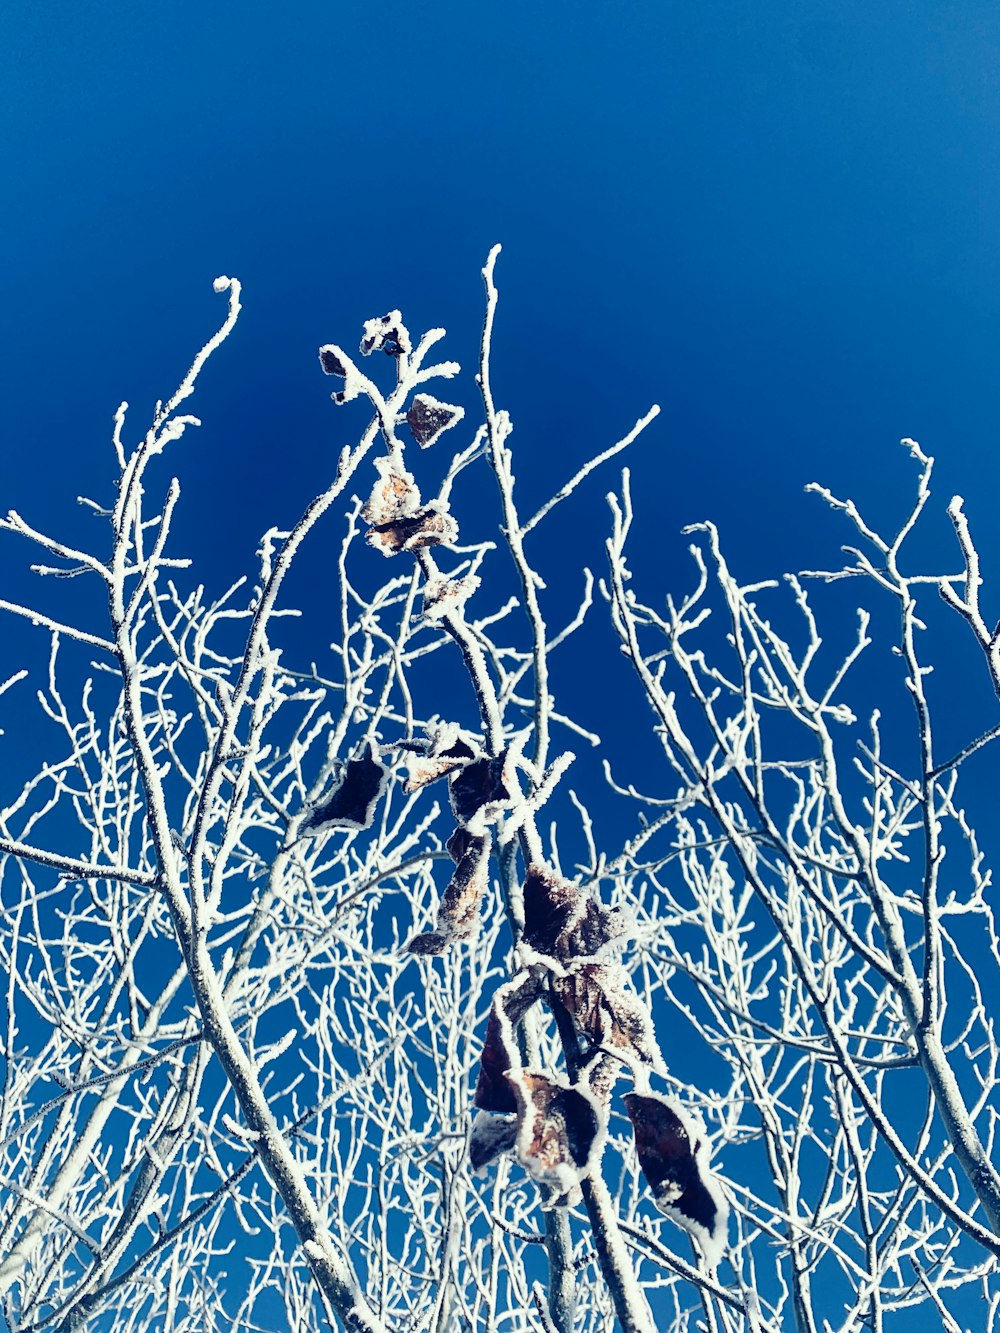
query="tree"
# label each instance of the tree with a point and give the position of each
(313, 1019)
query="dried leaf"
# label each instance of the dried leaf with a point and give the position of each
(500, 1053)
(485, 785)
(445, 749)
(386, 334)
(335, 362)
(428, 419)
(673, 1155)
(394, 496)
(430, 526)
(563, 922)
(332, 359)
(607, 1013)
(493, 1091)
(352, 802)
(458, 914)
(560, 1129)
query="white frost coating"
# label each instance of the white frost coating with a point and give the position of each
(241, 1131)
(444, 596)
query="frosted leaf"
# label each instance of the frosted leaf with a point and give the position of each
(500, 1053)
(386, 334)
(351, 804)
(608, 1013)
(445, 749)
(490, 1137)
(428, 419)
(332, 359)
(335, 362)
(561, 1129)
(394, 495)
(484, 788)
(458, 914)
(442, 597)
(430, 526)
(561, 921)
(673, 1154)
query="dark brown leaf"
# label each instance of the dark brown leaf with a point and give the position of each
(500, 1053)
(674, 1159)
(352, 802)
(428, 419)
(563, 922)
(331, 359)
(458, 914)
(485, 782)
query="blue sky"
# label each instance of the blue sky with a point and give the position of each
(778, 221)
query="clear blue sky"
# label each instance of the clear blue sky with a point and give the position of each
(779, 221)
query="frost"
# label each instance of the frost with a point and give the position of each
(442, 597)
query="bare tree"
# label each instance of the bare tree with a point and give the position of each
(325, 1005)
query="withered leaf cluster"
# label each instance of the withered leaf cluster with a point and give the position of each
(555, 1127)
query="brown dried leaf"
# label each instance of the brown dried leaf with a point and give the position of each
(673, 1155)
(458, 914)
(559, 1128)
(430, 526)
(445, 749)
(394, 496)
(484, 783)
(428, 419)
(563, 922)
(608, 1014)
